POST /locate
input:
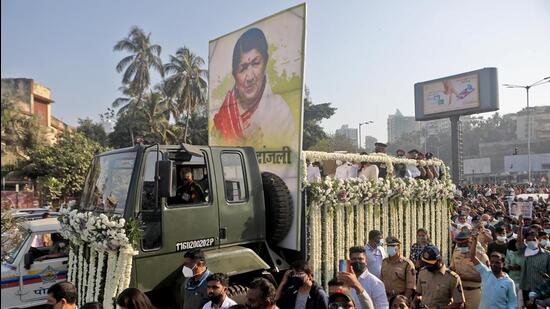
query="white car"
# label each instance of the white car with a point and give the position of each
(25, 281)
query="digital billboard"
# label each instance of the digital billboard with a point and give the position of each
(255, 88)
(462, 94)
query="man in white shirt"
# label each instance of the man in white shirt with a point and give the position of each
(342, 170)
(369, 284)
(216, 285)
(313, 172)
(375, 253)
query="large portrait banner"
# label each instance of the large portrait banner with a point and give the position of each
(255, 83)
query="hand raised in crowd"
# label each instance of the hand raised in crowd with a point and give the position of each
(350, 280)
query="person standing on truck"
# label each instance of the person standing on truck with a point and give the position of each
(362, 281)
(375, 252)
(195, 293)
(216, 286)
(298, 290)
(62, 295)
(261, 295)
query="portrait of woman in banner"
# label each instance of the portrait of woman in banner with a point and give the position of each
(251, 114)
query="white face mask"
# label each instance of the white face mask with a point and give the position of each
(392, 250)
(533, 245)
(464, 249)
(187, 272)
(545, 243)
(501, 238)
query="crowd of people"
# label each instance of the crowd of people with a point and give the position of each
(499, 259)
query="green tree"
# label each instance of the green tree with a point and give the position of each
(60, 169)
(186, 85)
(93, 131)
(143, 57)
(313, 115)
(157, 114)
(198, 126)
(122, 136)
(334, 143)
(136, 78)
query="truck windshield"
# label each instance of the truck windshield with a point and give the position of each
(107, 183)
(13, 245)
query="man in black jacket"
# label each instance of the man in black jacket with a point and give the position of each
(299, 291)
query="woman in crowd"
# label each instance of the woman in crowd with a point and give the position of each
(422, 240)
(132, 298)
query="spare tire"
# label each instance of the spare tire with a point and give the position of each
(278, 207)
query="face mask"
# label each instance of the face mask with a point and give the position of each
(533, 245)
(381, 242)
(392, 251)
(544, 243)
(296, 281)
(496, 269)
(501, 238)
(464, 249)
(215, 298)
(547, 231)
(187, 272)
(421, 238)
(358, 267)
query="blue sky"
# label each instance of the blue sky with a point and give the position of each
(363, 56)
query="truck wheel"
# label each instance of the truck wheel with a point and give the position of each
(278, 207)
(237, 293)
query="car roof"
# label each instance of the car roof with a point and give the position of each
(43, 225)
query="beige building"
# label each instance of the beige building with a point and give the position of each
(34, 99)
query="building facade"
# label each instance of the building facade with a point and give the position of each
(34, 99)
(349, 133)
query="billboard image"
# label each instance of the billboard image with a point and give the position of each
(255, 88)
(462, 94)
(451, 94)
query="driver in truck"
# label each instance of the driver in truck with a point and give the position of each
(188, 192)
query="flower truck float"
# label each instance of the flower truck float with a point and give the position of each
(142, 207)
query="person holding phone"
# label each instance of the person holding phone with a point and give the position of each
(298, 290)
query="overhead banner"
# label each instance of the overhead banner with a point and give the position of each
(255, 83)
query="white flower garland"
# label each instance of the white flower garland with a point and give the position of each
(91, 276)
(101, 235)
(99, 273)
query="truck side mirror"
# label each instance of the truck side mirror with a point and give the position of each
(28, 260)
(164, 172)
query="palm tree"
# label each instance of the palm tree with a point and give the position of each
(186, 86)
(143, 57)
(157, 114)
(136, 77)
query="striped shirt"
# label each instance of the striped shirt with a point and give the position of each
(533, 269)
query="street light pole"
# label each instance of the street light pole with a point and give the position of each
(359, 141)
(540, 82)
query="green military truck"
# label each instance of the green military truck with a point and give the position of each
(231, 210)
(217, 199)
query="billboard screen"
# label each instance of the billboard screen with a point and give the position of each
(462, 94)
(255, 88)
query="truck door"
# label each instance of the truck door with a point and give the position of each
(186, 221)
(238, 220)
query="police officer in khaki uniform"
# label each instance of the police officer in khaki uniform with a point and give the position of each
(463, 266)
(398, 273)
(437, 286)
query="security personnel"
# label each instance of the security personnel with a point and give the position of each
(398, 273)
(437, 286)
(463, 266)
(382, 168)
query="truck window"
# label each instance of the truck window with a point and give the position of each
(233, 175)
(191, 182)
(151, 213)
